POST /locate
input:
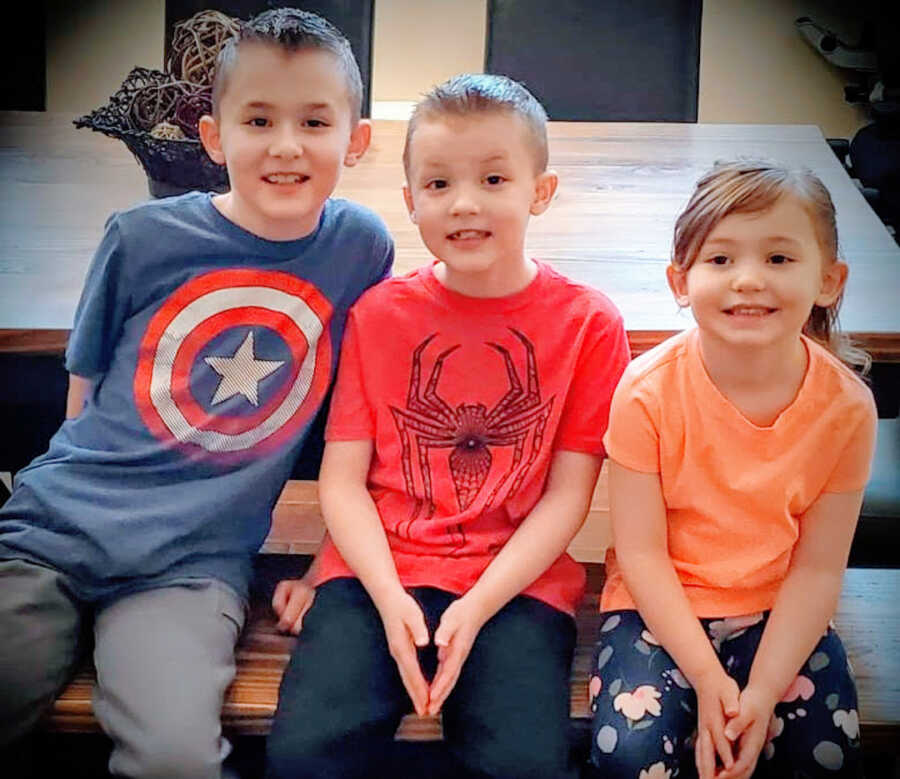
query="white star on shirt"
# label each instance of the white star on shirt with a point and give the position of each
(241, 373)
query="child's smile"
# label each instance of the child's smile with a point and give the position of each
(283, 179)
(472, 188)
(283, 140)
(757, 276)
(469, 239)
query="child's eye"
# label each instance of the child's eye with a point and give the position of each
(436, 184)
(718, 259)
(315, 123)
(258, 121)
(494, 179)
(779, 259)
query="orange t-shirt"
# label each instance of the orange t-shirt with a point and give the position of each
(735, 493)
(466, 399)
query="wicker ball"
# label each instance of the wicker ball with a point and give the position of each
(196, 43)
(167, 132)
(189, 108)
(155, 103)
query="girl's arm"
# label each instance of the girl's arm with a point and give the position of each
(541, 538)
(805, 603)
(638, 515)
(79, 389)
(355, 527)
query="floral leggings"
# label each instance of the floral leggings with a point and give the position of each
(645, 711)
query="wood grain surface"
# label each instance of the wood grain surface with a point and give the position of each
(621, 187)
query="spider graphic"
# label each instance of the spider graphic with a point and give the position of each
(469, 431)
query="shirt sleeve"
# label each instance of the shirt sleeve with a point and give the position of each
(385, 266)
(855, 462)
(603, 357)
(632, 438)
(351, 417)
(102, 308)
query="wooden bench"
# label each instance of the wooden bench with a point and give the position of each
(868, 619)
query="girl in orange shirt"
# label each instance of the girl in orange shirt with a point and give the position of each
(739, 451)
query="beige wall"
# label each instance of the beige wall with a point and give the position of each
(754, 67)
(419, 43)
(93, 44)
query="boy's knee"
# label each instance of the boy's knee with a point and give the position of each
(290, 756)
(521, 759)
(169, 753)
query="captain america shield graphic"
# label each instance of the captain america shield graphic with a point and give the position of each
(234, 361)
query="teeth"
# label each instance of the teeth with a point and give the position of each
(750, 310)
(284, 178)
(467, 234)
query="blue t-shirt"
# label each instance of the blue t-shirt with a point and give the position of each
(210, 351)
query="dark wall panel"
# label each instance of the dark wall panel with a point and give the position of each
(601, 60)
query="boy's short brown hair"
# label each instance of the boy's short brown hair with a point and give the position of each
(480, 93)
(291, 30)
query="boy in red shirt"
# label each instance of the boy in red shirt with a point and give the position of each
(463, 445)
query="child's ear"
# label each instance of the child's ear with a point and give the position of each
(544, 190)
(834, 278)
(678, 284)
(209, 137)
(407, 198)
(359, 142)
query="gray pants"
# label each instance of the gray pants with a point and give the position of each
(164, 659)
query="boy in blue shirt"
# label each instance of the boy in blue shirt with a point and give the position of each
(203, 345)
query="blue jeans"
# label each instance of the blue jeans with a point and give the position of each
(342, 698)
(814, 731)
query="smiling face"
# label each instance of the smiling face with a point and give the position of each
(472, 186)
(757, 276)
(283, 130)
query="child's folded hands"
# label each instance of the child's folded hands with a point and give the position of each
(748, 730)
(405, 629)
(717, 701)
(454, 637)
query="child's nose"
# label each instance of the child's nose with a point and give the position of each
(747, 277)
(464, 201)
(286, 143)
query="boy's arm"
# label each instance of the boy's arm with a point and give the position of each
(355, 527)
(541, 538)
(79, 389)
(805, 603)
(638, 513)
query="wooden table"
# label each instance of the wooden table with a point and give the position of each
(621, 186)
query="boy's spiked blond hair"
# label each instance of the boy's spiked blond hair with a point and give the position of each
(471, 94)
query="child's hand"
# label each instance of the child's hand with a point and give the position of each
(717, 700)
(749, 729)
(291, 601)
(405, 629)
(454, 637)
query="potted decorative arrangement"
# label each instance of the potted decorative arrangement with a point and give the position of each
(155, 113)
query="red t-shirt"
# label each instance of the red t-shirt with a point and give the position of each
(466, 399)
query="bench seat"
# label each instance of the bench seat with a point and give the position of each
(868, 620)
